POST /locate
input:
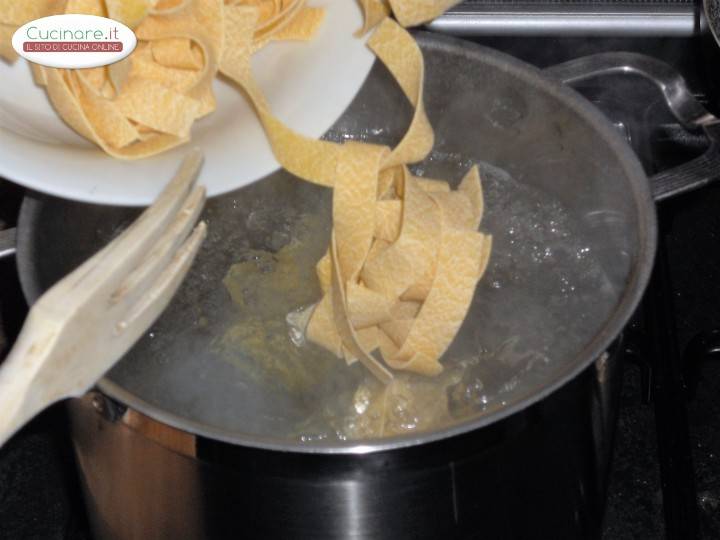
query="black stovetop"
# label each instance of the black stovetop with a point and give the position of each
(673, 493)
(665, 479)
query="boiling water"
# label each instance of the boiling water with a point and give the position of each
(542, 298)
(224, 355)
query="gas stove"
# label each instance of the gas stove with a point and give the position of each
(665, 474)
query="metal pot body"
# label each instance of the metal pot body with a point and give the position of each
(542, 469)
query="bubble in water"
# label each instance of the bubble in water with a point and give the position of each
(362, 400)
(297, 322)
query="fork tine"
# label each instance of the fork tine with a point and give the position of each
(160, 255)
(125, 252)
(158, 296)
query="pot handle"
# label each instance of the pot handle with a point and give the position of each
(7, 243)
(681, 102)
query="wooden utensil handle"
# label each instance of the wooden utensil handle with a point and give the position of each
(19, 400)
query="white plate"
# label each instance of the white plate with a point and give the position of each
(308, 85)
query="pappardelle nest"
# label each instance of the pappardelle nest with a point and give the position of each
(148, 103)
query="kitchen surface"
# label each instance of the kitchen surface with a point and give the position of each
(656, 460)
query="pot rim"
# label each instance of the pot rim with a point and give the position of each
(630, 298)
(634, 289)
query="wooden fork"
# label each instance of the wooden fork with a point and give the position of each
(85, 323)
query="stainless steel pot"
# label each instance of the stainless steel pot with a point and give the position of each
(178, 444)
(541, 469)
